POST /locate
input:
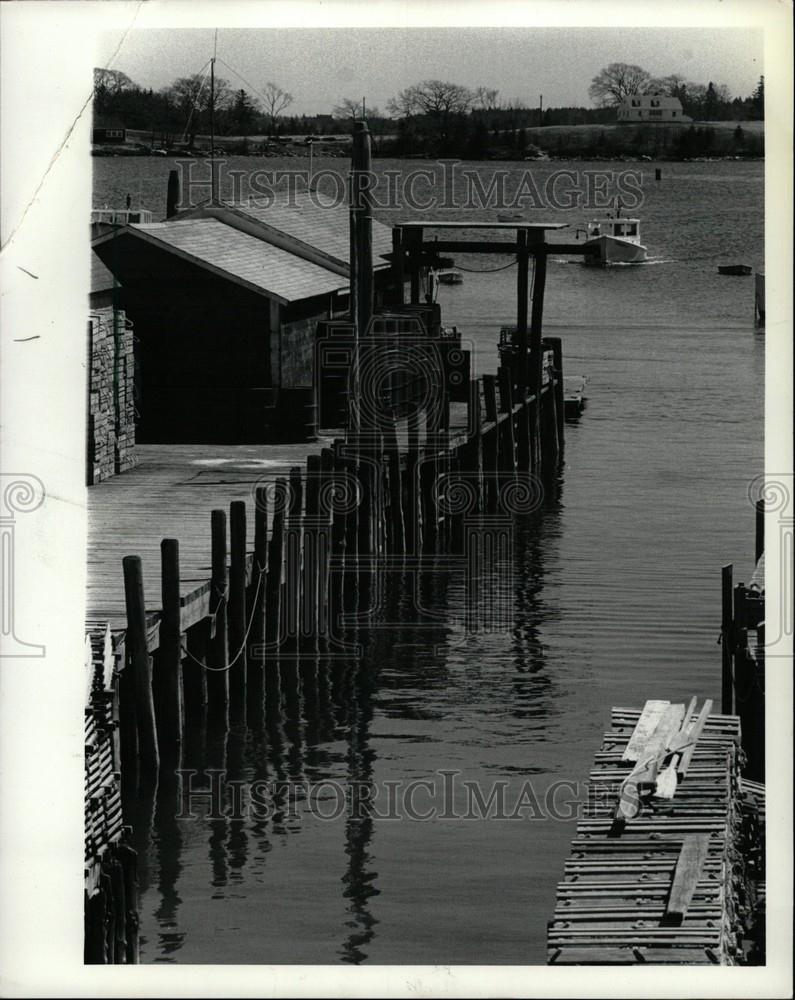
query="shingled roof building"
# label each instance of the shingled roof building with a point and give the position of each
(225, 301)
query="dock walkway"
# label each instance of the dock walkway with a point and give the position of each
(170, 494)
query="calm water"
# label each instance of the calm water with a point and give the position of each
(616, 598)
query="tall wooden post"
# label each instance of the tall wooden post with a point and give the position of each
(414, 243)
(727, 641)
(237, 601)
(169, 683)
(363, 217)
(292, 594)
(172, 194)
(555, 345)
(140, 664)
(273, 580)
(520, 374)
(491, 456)
(397, 264)
(218, 674)
(256, 603)
(760, 529)
(536, 319)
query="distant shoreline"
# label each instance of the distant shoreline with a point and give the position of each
(699, 141)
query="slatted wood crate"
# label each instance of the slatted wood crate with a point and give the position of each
(111, 918)
(664, 882)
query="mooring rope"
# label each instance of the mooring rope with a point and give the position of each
(485, 270)
(223, 598)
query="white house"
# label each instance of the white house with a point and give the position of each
(652, 108)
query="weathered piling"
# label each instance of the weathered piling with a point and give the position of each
(218, 668)
(273, 596)
(314, 555)
(238, 656)
(168, 675)
(140, 664)
(727, 641)
(256, 600)
(491, 444)
(291, 610)
(558, 396)
(507, 442)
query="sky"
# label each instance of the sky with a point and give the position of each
(320, 67)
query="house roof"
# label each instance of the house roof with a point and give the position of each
(238, 256)
(101, 278)
(103, 121)
(303, 218)
(326, 228)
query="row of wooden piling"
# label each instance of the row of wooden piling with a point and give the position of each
(743, 653)
(320, 537)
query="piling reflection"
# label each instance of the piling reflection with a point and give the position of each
(309, 718)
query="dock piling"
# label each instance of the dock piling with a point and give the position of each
(218, 675)
(140, 664)
(168, 679)
(237, 602)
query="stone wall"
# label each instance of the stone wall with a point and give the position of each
(111, 406)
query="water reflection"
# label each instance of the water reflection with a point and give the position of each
(309, 718)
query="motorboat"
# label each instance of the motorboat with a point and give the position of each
(616, 239)
(449, 276)
(734, 269)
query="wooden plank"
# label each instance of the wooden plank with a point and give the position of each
(686, 876)
(645, 726)
(693, 736)
(666, 728)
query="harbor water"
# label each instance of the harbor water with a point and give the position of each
(614, 597)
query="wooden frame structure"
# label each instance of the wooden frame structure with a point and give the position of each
(412, 250)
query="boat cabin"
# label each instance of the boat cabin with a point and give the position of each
(625, 229)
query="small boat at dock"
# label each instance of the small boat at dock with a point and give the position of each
(738, 269)
(449, 276)
(616, 239)
(574, 397)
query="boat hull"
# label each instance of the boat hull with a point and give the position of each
(614, 250)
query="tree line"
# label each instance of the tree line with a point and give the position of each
(432, 117)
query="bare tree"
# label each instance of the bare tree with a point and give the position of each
(191, 95)
(615, 83)
(483, 97)
(275, 100)
(671, 86)
(348, 107)
(110, 81)
(436, 98)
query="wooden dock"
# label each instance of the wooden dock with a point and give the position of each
(659, 870)
(170, 494)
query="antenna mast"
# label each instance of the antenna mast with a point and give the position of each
(213, 185)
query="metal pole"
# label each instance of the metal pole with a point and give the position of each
(212, 130)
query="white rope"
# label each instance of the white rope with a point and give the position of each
(223, 598)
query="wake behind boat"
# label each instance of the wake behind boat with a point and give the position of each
(617, 240)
